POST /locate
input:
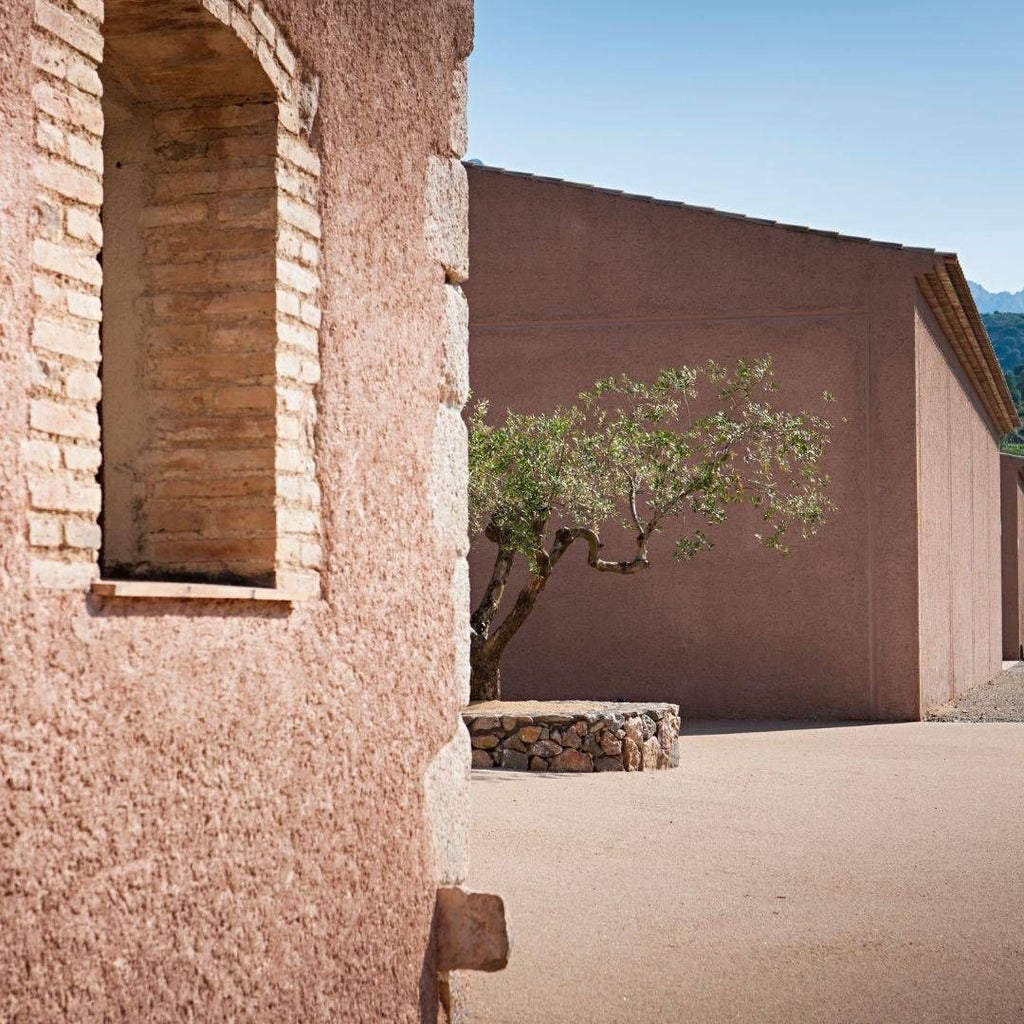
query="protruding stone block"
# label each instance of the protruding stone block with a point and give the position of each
(472, 934)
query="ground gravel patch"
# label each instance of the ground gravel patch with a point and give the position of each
(1001, 700)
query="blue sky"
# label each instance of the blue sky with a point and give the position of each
(902, 121)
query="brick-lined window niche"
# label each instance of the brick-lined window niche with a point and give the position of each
(182, 249)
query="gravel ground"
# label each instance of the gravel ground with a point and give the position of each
(1001, 700)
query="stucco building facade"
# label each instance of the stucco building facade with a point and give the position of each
(895, 607)
(1012, 509)
(233, 587)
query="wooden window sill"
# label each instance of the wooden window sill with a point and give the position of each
(189, 591)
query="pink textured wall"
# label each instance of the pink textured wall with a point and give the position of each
(215, 811)
(1011, 490)
(958, 481)
(569, 284)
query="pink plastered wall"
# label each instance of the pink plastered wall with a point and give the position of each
(1012, 507)
(959, 523)
(219, 811)
(570, 284)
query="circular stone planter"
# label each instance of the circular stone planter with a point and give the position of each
(573, 736)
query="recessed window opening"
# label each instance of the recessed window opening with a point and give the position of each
(189, 299)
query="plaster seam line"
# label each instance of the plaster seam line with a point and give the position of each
(507, 325)
(868, 419)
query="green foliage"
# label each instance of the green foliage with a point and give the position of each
(1007, 333)
(680, 450)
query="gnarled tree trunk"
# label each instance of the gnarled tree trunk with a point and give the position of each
(485, 677)
(487, 646)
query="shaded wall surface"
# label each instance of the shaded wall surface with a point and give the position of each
(217, 811)
(569, 284)
(1011, 492)
(958, 480)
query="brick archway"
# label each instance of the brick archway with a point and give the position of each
(174, 134)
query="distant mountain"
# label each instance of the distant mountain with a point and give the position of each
(997, 302)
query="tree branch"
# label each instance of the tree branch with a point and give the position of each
(632, 506)
(671, 507)
(566, 537)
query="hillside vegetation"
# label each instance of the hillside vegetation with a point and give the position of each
(1007, 333)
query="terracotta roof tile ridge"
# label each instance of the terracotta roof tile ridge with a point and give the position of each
(948, 294)
(821, 232)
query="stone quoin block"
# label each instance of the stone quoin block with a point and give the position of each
(458, 132)
(447, 229)
(455, 367)
(447, 796)
(449, 480)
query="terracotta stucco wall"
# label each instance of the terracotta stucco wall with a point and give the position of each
(958, 481)
(1011, 491)
(569, 284)
(216, 811)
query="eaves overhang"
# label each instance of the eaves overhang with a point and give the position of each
(949, 296)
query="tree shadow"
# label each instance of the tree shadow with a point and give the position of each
(493, 776)
(99, 607)
(727, 727)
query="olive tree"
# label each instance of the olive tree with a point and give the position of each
(672, 455)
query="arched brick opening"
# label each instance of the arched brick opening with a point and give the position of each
(173, 134)
(189, 305)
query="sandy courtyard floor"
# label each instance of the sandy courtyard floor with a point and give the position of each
(863, 873)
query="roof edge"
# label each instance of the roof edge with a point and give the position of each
(949, 297)
(676, 204)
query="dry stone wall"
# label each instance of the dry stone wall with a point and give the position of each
(570, 736)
